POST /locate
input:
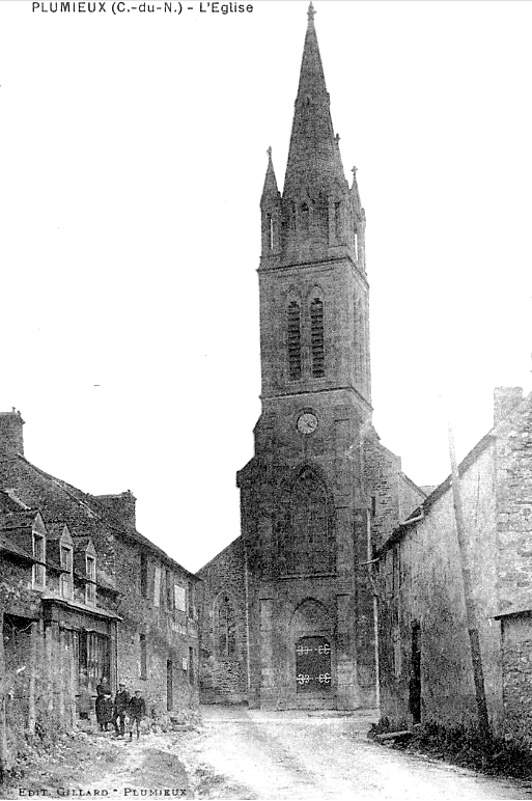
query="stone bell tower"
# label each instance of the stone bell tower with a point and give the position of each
(304, 503)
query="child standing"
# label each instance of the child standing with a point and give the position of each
(137, 710)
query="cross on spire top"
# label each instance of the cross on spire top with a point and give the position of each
(311, 12)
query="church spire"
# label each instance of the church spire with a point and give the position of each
(314, 161)
(270, 192)
(270, 207)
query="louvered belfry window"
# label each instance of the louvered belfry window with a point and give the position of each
(317, 338)
(294, 341)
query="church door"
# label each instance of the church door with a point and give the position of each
(313, 665)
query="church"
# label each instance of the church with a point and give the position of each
(289, 616)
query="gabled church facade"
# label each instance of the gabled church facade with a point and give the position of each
(289, 616)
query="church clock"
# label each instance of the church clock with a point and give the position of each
(307, 423)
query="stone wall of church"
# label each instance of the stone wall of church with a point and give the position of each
(223, 669)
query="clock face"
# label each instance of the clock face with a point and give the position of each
(307, 423)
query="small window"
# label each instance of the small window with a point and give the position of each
(356, 245)
(157, 586)
(180, 601)
(190, 601)
(305, 218)
(169, 587)
(39, 552)
(338, 220)
(90, 586)
(143, 657)
(270, 232)
(66, 580)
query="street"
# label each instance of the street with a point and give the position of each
(243, 754)
(293, 756)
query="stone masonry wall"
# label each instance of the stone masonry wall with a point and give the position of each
(517, 671)
(514, 534)
(514, 520)
(170, 634)
(223, 679)
(422, 582)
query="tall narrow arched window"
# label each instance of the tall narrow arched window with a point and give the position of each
(306, 543)
(270, 232)
(305, 218)
(226, 627)
(294, 340)
(317, 339)
(337, 221)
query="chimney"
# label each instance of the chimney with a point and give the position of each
(11, 437)
(121, 506)
(505, 399)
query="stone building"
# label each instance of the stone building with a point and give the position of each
(288, 616)
(425, 657)
(84, 595)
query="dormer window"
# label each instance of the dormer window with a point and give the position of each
(39, 553)
(90, 586)
(67, 566)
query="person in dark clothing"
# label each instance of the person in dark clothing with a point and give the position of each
(103, 688)
(104, 711)
(137, 710)
(103, 704)
(120, 709)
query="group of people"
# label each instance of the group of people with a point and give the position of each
(124, 708)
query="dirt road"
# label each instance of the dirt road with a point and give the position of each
(244, 754)
(294, 756)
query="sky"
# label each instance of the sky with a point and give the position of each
(132, 158)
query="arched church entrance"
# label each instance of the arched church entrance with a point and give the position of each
(312, 669)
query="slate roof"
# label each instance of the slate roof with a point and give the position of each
(60, 502)
(9, 547)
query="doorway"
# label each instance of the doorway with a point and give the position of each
(169, 685)
(313, 665)
(414, 695)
